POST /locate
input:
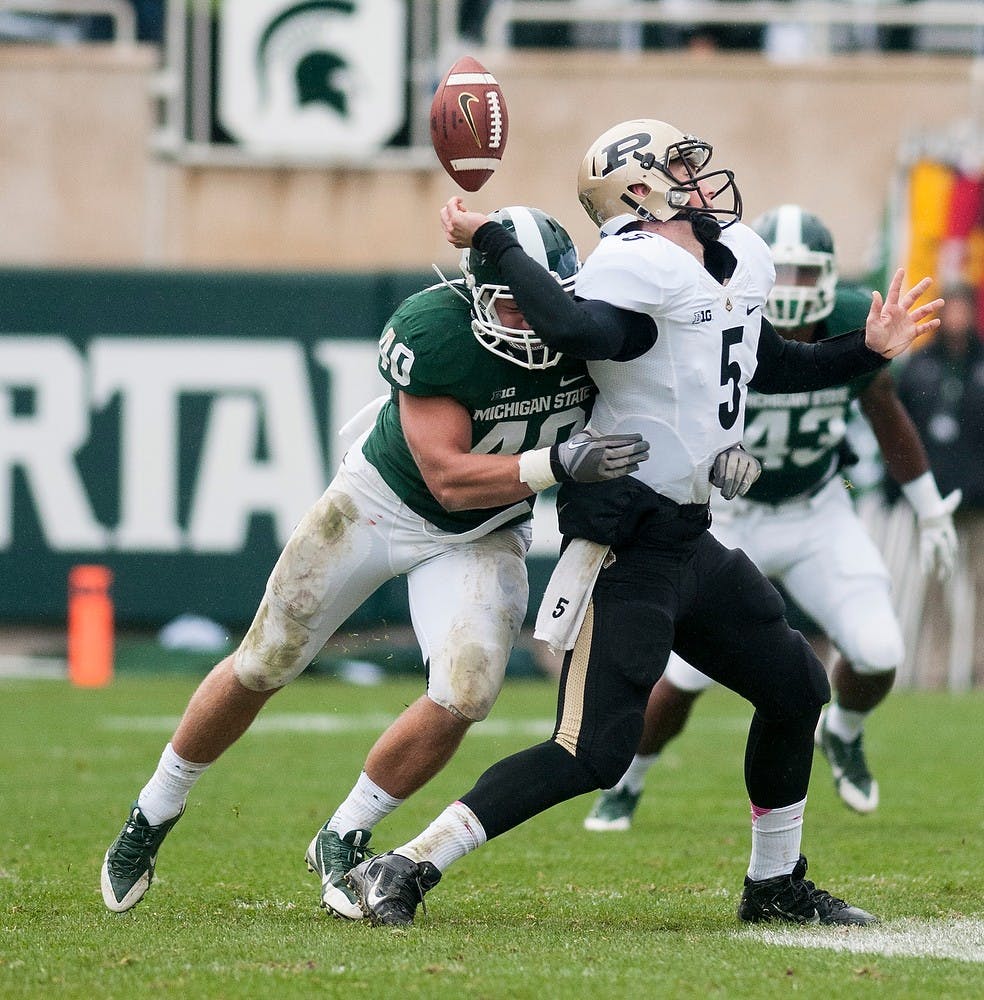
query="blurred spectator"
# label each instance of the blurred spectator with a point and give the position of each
(471, 20)
(18, 26)
(150, 23)
(942, 386)
(629, 36)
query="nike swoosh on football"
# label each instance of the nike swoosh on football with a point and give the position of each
(750, 309)
(571, 381)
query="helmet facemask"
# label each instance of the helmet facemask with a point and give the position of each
(806, 267)
(546, 241)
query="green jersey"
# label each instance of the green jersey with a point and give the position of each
(428, 349)
(797, 435)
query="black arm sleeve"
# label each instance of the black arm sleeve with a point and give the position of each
(586, 328)
(788, 365)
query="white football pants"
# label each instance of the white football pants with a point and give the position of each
(823, 555)
(467, 598)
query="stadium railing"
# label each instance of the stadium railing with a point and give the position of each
(820, 17)
(119, 12)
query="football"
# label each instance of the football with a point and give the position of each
(469, 123)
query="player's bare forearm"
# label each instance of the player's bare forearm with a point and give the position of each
(438, 432)
(474, 482)
(898, 439)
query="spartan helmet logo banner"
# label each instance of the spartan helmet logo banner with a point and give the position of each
(316, 77)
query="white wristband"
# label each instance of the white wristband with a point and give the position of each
(923, 495)
(535, 471)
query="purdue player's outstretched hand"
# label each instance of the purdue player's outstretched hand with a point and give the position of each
(590, 457)
(890, 327)
(734, 471)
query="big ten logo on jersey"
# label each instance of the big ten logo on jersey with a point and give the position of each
(703, 316)
(171, 444)
(318, 77)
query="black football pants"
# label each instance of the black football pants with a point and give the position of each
(714, 607)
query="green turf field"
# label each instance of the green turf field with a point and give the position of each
(545, 911)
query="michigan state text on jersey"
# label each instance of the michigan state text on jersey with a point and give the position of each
(797, 436)
(428, 349)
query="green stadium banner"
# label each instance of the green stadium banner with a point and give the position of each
(174, 426)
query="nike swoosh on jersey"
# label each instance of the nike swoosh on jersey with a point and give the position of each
(750, 309)
(571, 380)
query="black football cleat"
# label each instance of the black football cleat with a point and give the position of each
(792, 899)
(389, 887)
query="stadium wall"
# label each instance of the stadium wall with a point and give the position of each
(81, 186)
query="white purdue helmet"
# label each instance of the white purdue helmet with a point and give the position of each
(806, 268)
(640, 152)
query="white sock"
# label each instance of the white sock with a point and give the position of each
(776, 837)
(455, 833)
(635, 776)
(845, 724)
(164, 795)
(365, 806)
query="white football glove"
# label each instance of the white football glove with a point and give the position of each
(734, 471)
(934, 517)
(590, 457)
(938, 538)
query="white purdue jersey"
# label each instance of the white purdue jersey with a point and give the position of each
(686, 394)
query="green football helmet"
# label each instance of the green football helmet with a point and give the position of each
(806, 268)
(546, 241)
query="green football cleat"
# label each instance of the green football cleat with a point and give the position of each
(128, 868)
(613, 810)
(852, 779)
(332, 858)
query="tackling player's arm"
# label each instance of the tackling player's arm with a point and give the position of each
(438, 431)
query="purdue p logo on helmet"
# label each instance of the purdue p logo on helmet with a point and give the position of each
(544, 239)
(625, 177)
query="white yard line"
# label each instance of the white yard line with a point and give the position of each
(22, 667)
(960, 939)
(325, 723)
